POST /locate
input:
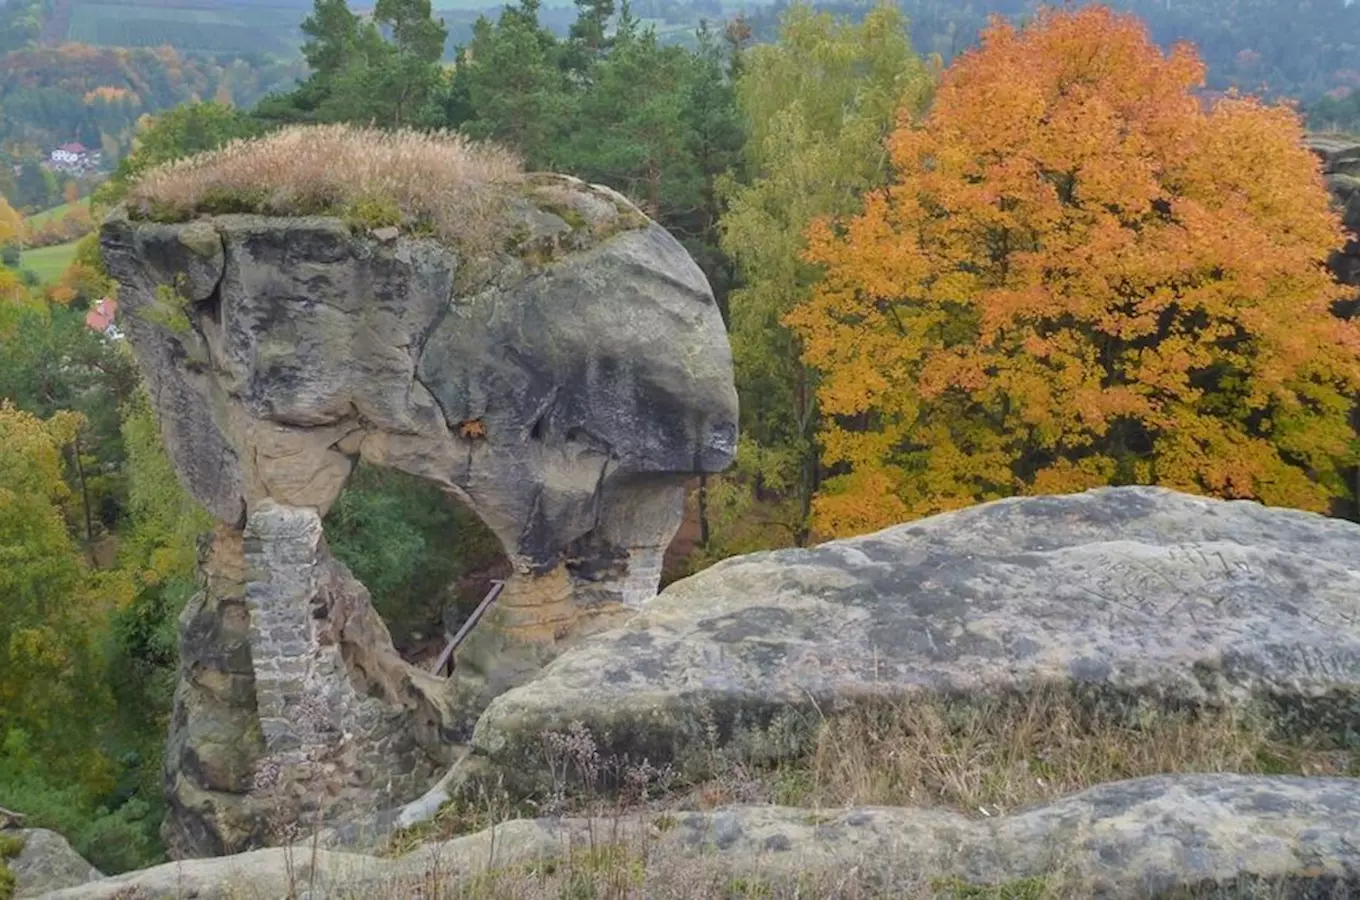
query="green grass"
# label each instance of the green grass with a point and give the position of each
(56, 212)
(48, 262)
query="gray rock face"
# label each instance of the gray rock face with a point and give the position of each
(1146, 838)
(215, 740)
(563, 388)
(1340, 157)
(552, 396)
(47, 863)
(1126, 592)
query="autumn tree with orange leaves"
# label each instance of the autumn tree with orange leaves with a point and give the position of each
(1080, 275)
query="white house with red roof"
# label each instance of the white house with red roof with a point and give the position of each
(101, 316)
(74, 157)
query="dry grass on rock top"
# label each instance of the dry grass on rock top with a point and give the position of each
(440, 183)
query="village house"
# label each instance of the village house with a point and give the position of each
(100, 318)
(74, 157)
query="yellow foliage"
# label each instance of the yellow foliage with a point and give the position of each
(1081, 276)
(11, 223)
(15, 299)
(51, 608)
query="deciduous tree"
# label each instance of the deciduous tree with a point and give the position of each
(11, 223)
(818, 103)
(1081, 275)
(48, 666)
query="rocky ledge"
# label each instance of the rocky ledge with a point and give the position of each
(1121, 594)
(1162, 837)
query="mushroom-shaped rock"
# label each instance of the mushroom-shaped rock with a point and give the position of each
(556, 362)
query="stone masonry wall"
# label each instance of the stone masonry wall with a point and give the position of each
(333, 741)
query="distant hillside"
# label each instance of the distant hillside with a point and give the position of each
(94, 95)
(208, 26)
(273, 27)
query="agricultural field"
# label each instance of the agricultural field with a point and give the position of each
(48, 262)
(189, 25)
(238, 27)
(49, 215)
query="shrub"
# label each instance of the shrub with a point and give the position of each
(10, 847)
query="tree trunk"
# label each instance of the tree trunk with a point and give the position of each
(84, 498)
(811, 471)
(703, 510)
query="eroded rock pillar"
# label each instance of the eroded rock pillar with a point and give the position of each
(294, 710)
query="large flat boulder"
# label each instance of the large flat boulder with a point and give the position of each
(1146, 838)
(1124, 593)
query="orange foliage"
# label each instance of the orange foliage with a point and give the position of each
(1081, 276)
(74, 223)
(109, 94)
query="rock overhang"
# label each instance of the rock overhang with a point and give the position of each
(582, 356)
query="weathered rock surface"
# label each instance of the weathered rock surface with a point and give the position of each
(1144, 838)
(1340, 155)
(47, 863)
(551, 388)
(1128, 592)
(563, 388)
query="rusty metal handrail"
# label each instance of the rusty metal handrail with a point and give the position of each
(445, 660)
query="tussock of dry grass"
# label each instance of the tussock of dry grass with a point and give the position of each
(995, 756)
(981, 757)
(441, 182)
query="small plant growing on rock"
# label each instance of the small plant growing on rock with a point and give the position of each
(169, 311)
(10, 847)
(579, 772)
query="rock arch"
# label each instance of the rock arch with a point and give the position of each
(563, 388)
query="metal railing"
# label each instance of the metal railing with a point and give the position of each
(444, 664)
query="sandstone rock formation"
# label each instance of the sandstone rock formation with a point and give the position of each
(1157, 837)
(46, 863)
(1122, 592)
(1340, 157)
(563, 387)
